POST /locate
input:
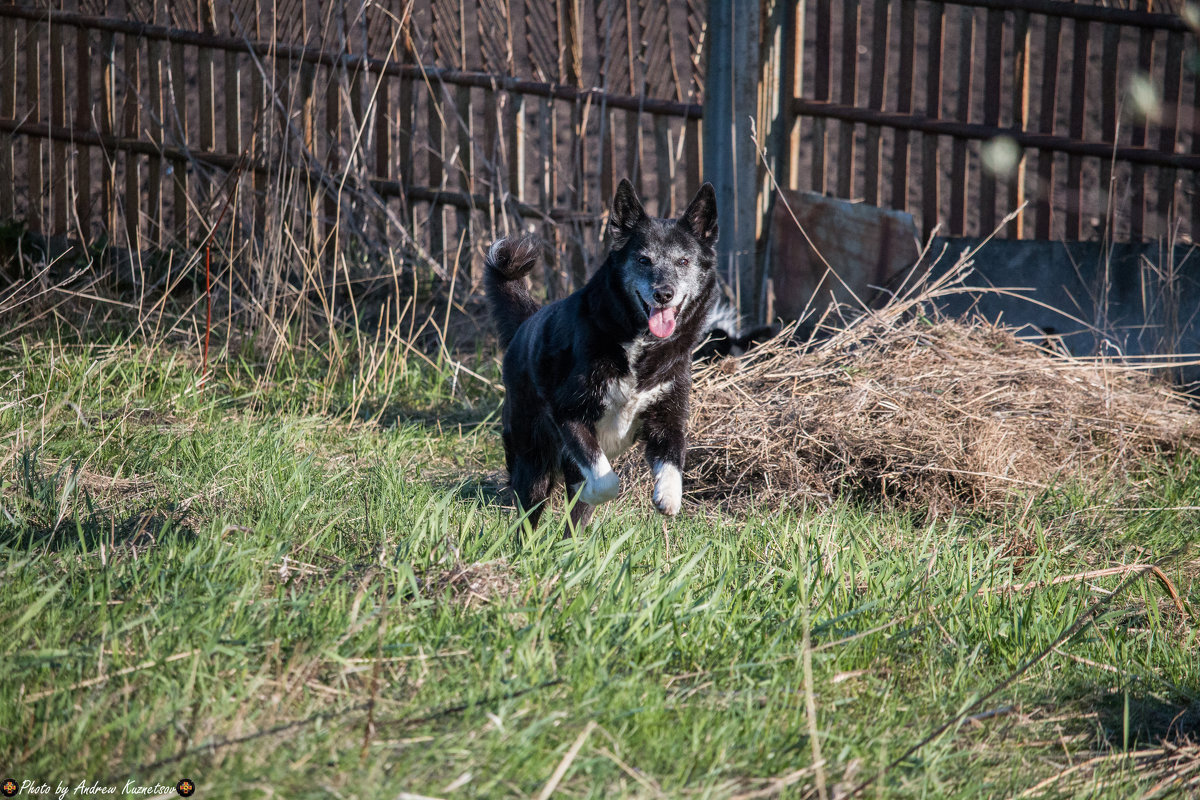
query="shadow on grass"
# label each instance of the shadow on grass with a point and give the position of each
(1151, 720)
(136, 530)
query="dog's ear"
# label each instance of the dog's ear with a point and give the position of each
(701, 216)
(627, 212)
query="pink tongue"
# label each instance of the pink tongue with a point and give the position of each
(662, 322)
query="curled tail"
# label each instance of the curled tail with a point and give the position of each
(508, 262)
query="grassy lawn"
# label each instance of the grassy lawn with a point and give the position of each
(303, 588)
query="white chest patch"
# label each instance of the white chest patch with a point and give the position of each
(619, 426)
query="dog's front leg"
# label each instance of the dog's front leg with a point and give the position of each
(664, 429)
(600, 483)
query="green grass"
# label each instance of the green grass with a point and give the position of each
(296, 588)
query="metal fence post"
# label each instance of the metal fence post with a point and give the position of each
(730, 164)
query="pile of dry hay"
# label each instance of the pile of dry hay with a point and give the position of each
(922, 412)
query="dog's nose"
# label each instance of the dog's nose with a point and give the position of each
(663, 295)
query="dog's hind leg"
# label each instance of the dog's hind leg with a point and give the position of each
(531, 483)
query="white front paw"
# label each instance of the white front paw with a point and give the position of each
(668, 489)
(601, 483)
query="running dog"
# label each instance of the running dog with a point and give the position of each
(587, 376)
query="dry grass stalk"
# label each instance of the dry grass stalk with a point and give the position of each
(909, 408)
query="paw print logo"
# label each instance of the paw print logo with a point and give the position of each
(185, 788)
(9, 788)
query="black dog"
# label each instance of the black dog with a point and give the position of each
(588, 375)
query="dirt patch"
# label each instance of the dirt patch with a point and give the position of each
(471, 585)
(904, 407)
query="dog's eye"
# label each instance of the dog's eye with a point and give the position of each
(683, 262)
(645, 261)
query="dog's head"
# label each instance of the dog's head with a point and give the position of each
(664, 264)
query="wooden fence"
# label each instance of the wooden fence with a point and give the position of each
(442, 123)
(900, 103)
(462, 118)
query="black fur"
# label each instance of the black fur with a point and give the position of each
(567, 364)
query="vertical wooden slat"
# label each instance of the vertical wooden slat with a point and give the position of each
(609, 78)
(233, 82)
(849, 97)
(548, 183)
(59, 172)
(1046, 116)
(1079, 69)
(637, 86)
(207, 88)
(8, 106)
(992, 81)
(515, 116)
(437, 180)
(904, 103)
(84, 207)
(1020, 118)
(1195, 180)
(962, 113)
(931, 185)
(406, 119)
(108, 124)
(821, 92)
(179, 167)
(131, 126)
(1137, 138)
(695, 157)
(257, 25)
(875, 95)
(1167, 130)
(33, 110)
(331, 145)
(154, 166)
(464, 123)
(1109, 99)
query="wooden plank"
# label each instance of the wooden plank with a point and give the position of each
(1015, 185)
(1109, 101)
(108, 125)
(1078, 118)
(820, 91)
(1195, 179)
(155, 167)
(792, 67)
(207, 87)
(875, 95)
(84, 201)
(1137, 138)
(931, 185)
(57, 182)
(849, 96)
(233, 81)
(962, 113)
(548, 184)
(695, 157)
(1044, 206)
(131, 123)
(436, 168)
(465, 125)
(634, 141)
(33, 110)
(8, 109)
(904, 103)
(1168, 130)
(515, 113)
(405, 132)
(177, 79)
(993, 77)
(258, 27)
